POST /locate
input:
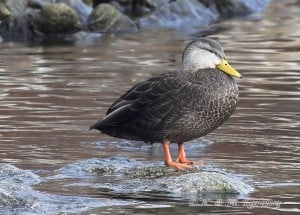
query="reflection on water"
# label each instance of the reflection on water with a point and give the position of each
(50, 95)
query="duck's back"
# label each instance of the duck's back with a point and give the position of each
(179, 106)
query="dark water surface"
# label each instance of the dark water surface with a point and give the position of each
(50, 95)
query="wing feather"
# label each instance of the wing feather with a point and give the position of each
(150, 94)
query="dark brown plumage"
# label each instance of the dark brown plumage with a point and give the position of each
(176, 106)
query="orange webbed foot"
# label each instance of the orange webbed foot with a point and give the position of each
(182, 159)
(189, 162)
(180, 166)
(181, 162)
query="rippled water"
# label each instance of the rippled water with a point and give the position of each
(50, 95)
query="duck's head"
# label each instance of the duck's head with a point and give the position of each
(206, 53)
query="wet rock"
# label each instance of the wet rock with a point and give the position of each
(16, 7)
(234, 8)
(197, 181)
(56, 19)
(18, 197)
(180, 14)
(13, 21)
(255, 6)
(18, 19)
(124, 175)
(152, 172)
(4, 12)
(37, 4)
(137, 8)
(106, 19)
(40, 19)
(15, 190)
(95, 166)
(16, 175)
(206, 182)
(84, 37)
(226, 8)
(81, 9)
(88, 2)
(15, 195)
(157, 3)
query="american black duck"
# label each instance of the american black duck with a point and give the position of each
(177, 106)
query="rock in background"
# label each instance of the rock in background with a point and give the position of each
(13, 19)
(107, 19)
(181, 15)
(30, 19)
(56, 19)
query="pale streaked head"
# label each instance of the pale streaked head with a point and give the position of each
(205, 53)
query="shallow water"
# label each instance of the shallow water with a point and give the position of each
(50, 95)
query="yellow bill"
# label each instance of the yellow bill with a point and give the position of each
(225, 67)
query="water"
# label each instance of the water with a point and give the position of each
(50, 95)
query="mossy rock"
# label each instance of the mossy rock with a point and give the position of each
(107, 19)
(4, 12)
(57, 19)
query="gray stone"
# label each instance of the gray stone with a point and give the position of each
(106, 19)
(233, 8)
(81, 9)
(207, 182)
(4, 12)
(118, 175)
(128, 175)
(181, 14)
(16, 7)
(14, 23)
(57, 19)
(40, 19)
(11, 9)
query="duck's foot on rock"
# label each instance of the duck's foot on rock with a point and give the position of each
(177, 165)
(189, 162)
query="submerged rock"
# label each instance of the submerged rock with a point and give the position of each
(15, 190)
(13, 195)
(107, 19)
(16, 175)
(18, 197)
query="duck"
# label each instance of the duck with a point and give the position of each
(179, 105)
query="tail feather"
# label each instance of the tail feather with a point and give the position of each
(96, 125)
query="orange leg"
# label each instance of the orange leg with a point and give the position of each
(168, 158)
(181, 156)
